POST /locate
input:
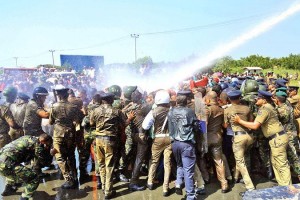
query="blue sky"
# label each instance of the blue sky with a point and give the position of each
(29, 29)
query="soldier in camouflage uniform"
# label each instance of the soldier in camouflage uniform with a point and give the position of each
(10, 94)
(6, 121)
(89, 138)
(286, 117)
(35, 111)
(22, 150)
(129, 149)
(64, 115)
(108, 122)
(249, 90)
(18, 110)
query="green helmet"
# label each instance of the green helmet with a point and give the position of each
(128, 90)
(10, 93)
(249, 86)
(116, 90)
(262, 87)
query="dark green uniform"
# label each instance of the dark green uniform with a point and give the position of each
(32, 121)
(63, 115)
(5, 116)
(22, 150)
(286, 117)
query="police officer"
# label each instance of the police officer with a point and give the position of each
(242, 139)
(272, 129)
(181, 124)
(18, 110)
(63, 115)
(162, 143)
(108, 122)
(35, 111)
(22, 150)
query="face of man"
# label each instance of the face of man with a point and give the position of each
(260, 101)
(292, 93)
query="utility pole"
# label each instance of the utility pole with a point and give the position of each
(52, 51)
(135, 36)
(16, 58)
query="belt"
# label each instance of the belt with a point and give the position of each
(240, 133)
(276, 134)
(106, 137)
(161, 135)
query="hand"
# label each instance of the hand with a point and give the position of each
(53, 151)
(131, 115)
(235, 118)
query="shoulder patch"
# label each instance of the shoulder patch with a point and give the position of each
(259, 112)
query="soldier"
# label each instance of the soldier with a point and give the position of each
(129, 156)
(108, 122)
(182, 126)
(162, 143)
(242, 140)
(215, 117)
(64, 115)
(286, 117)
(139, 137)
(22, 150)
(18, 110)
(293, 91)
(35, 111)
(272, 129)
(10, 94)
(6, 121)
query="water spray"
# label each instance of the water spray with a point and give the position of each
(174, 75)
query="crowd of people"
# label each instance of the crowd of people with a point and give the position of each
(237, 124)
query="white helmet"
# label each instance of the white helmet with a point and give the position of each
(162, 97)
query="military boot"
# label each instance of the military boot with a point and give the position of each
(24, 198)
(99, 184)
(270, 174)
(69, 185)
(9, 190)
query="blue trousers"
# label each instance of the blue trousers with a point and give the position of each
(184, 153)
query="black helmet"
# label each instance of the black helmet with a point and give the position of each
(39, 91)
(116, 90)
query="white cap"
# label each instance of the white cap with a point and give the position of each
(162, 97)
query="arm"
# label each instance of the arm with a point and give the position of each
(148, 121)
(251, 125)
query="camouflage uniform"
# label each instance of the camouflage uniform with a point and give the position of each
(5, 116)
(22, 150)
(89, 137)
(18, 110)
(286, 117)
(63, 115)
(32, 121)
(108, 121)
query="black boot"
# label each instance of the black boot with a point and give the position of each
(135, 187)
(68, 185)
(24, 198)
(99, 184)
(270, 174)
(9, 190)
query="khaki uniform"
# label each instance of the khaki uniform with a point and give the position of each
(5, 116)
(63, 115)
(108, 121)
(161, 145)
(241, 141)
(32, 121)
(18, 111)
(215, 120)
(271, 127)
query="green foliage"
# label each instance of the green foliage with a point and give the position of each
(227, 64)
